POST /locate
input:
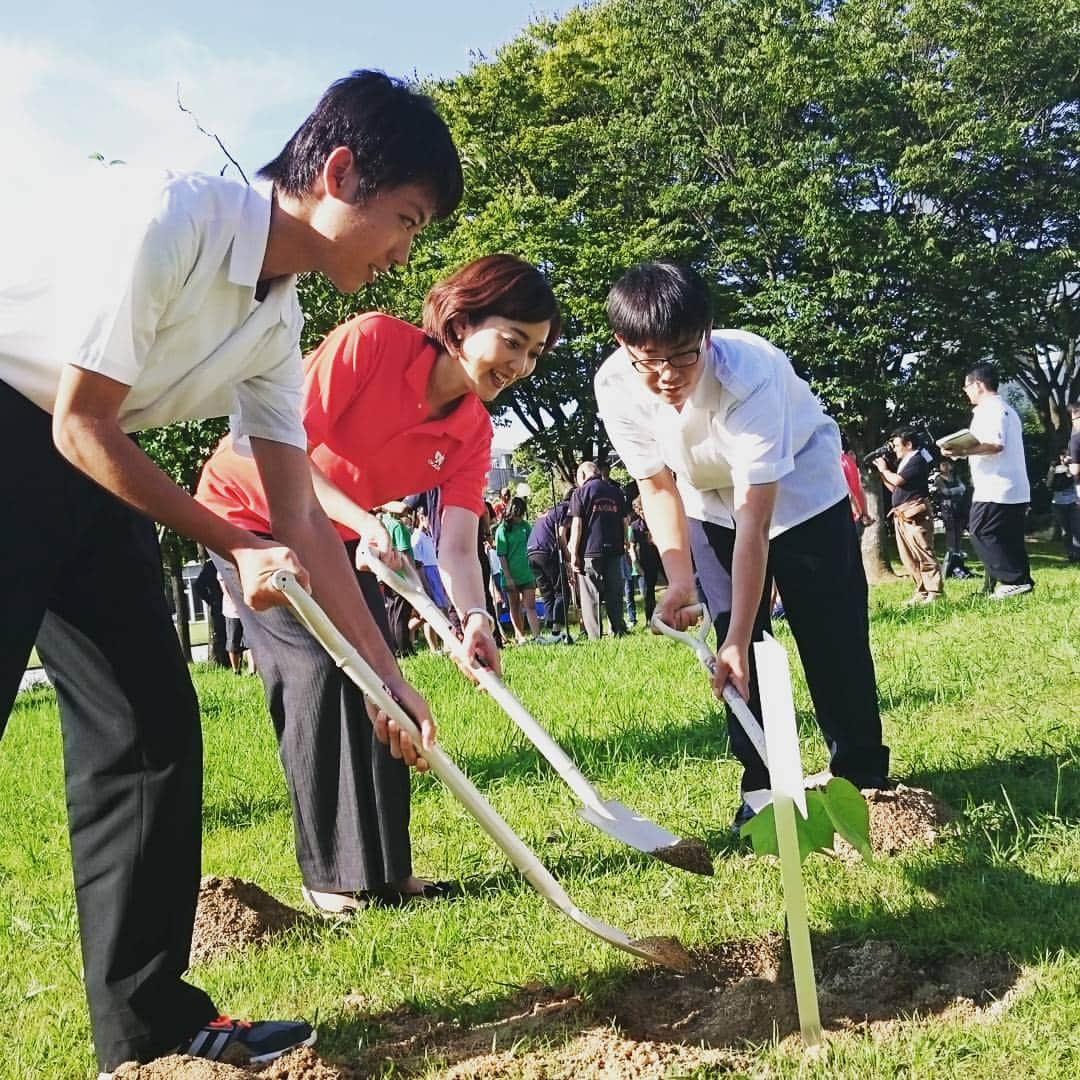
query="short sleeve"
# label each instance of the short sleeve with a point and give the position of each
(988, 424)
(268, 404)
(112, 305)
(757, 433)
(339, 369)
(465, 488)
(628, 426)
(913, 471)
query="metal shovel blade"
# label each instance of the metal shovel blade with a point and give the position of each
(623, 824)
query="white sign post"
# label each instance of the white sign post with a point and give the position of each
(785, 773)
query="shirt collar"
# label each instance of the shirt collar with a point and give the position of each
(416, 377)
(252, 235)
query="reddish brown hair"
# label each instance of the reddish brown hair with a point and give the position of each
(494, 285)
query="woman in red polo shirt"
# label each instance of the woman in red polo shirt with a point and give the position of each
(389, 410)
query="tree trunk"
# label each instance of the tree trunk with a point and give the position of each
(179, 598)
(875, 537)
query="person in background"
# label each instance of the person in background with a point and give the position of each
(759, 494)
(859, 512)
(1074, 445)
(1001, 494)
(646, 556)
(234, 634)
(399, 612)
(949, 492)
(207, 588)
(1063, 499)
(597, 545)
(511, 544)
(548, 559)
(913, 518)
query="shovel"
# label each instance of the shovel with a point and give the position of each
(697, 642)
(612, 817)
(659, 950)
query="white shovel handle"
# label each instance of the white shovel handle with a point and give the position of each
(357, 669)
(735, 701)
(408, 585)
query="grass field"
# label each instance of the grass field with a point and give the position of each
(980, 702)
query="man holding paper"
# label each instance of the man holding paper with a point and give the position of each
(1001, 490)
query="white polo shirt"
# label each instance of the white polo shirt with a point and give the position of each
(1002, 477)
(750, 420)
(149, 278)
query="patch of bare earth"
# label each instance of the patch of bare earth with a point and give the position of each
(656, 1022)
(302, 1064)
(233, 914)
(900, 818)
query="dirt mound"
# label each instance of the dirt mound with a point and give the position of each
(900, 818)
(234, 913)
(302, 1064)
(655, 1022)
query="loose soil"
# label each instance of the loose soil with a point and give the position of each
(900, 818)
(688, 854)
(651, 1024)
(234, 913)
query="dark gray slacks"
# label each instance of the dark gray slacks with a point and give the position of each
(350, 798)
(602, 580)
(997, 535)
(818, 568)
(82, 572)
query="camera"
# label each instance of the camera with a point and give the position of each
(886, 452)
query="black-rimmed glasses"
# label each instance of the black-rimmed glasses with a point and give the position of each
(652, 364)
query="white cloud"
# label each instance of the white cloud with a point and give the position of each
(59, 106)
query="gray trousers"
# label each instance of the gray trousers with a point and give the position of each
(350, 798)
(602, 580)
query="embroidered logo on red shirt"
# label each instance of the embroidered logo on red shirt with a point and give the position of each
(436, 460)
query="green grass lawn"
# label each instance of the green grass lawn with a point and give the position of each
(980, 702)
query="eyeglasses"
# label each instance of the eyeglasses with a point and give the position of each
(686, 358)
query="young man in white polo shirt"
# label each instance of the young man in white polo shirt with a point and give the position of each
(738, 464)
(135, 300)
(1000, 489)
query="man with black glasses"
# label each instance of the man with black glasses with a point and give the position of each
(737, 462)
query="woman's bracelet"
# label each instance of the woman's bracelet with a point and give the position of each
(480, 611)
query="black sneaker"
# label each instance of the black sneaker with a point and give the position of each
(742, 816)
(242, 1042)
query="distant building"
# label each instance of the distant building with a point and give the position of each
(503, 473)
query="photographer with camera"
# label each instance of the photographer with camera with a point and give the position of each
(905, 471)
(948, 495)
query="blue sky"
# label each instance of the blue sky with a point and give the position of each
(79, 77)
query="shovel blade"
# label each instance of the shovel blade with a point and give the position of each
(630, 828)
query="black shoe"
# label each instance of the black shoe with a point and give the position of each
(240, 1041)
(742, 816)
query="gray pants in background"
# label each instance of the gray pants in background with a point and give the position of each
(602, 580)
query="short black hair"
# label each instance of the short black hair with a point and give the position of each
(984, 373)
(395, 135)
(659, 302)
(907, 435)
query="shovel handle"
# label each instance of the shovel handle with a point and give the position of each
(734, 700)
(410, 588)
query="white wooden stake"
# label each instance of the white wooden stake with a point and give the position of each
(785, 773)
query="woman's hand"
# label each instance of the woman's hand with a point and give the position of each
(732, 665)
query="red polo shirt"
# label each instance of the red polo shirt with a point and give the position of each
(368, 429)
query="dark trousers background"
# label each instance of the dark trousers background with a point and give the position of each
(350, 798)
(997, 535)
(602, 580)
(818, 569)
(81, 572)
(551, 583)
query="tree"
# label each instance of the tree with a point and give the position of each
(180, 451)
